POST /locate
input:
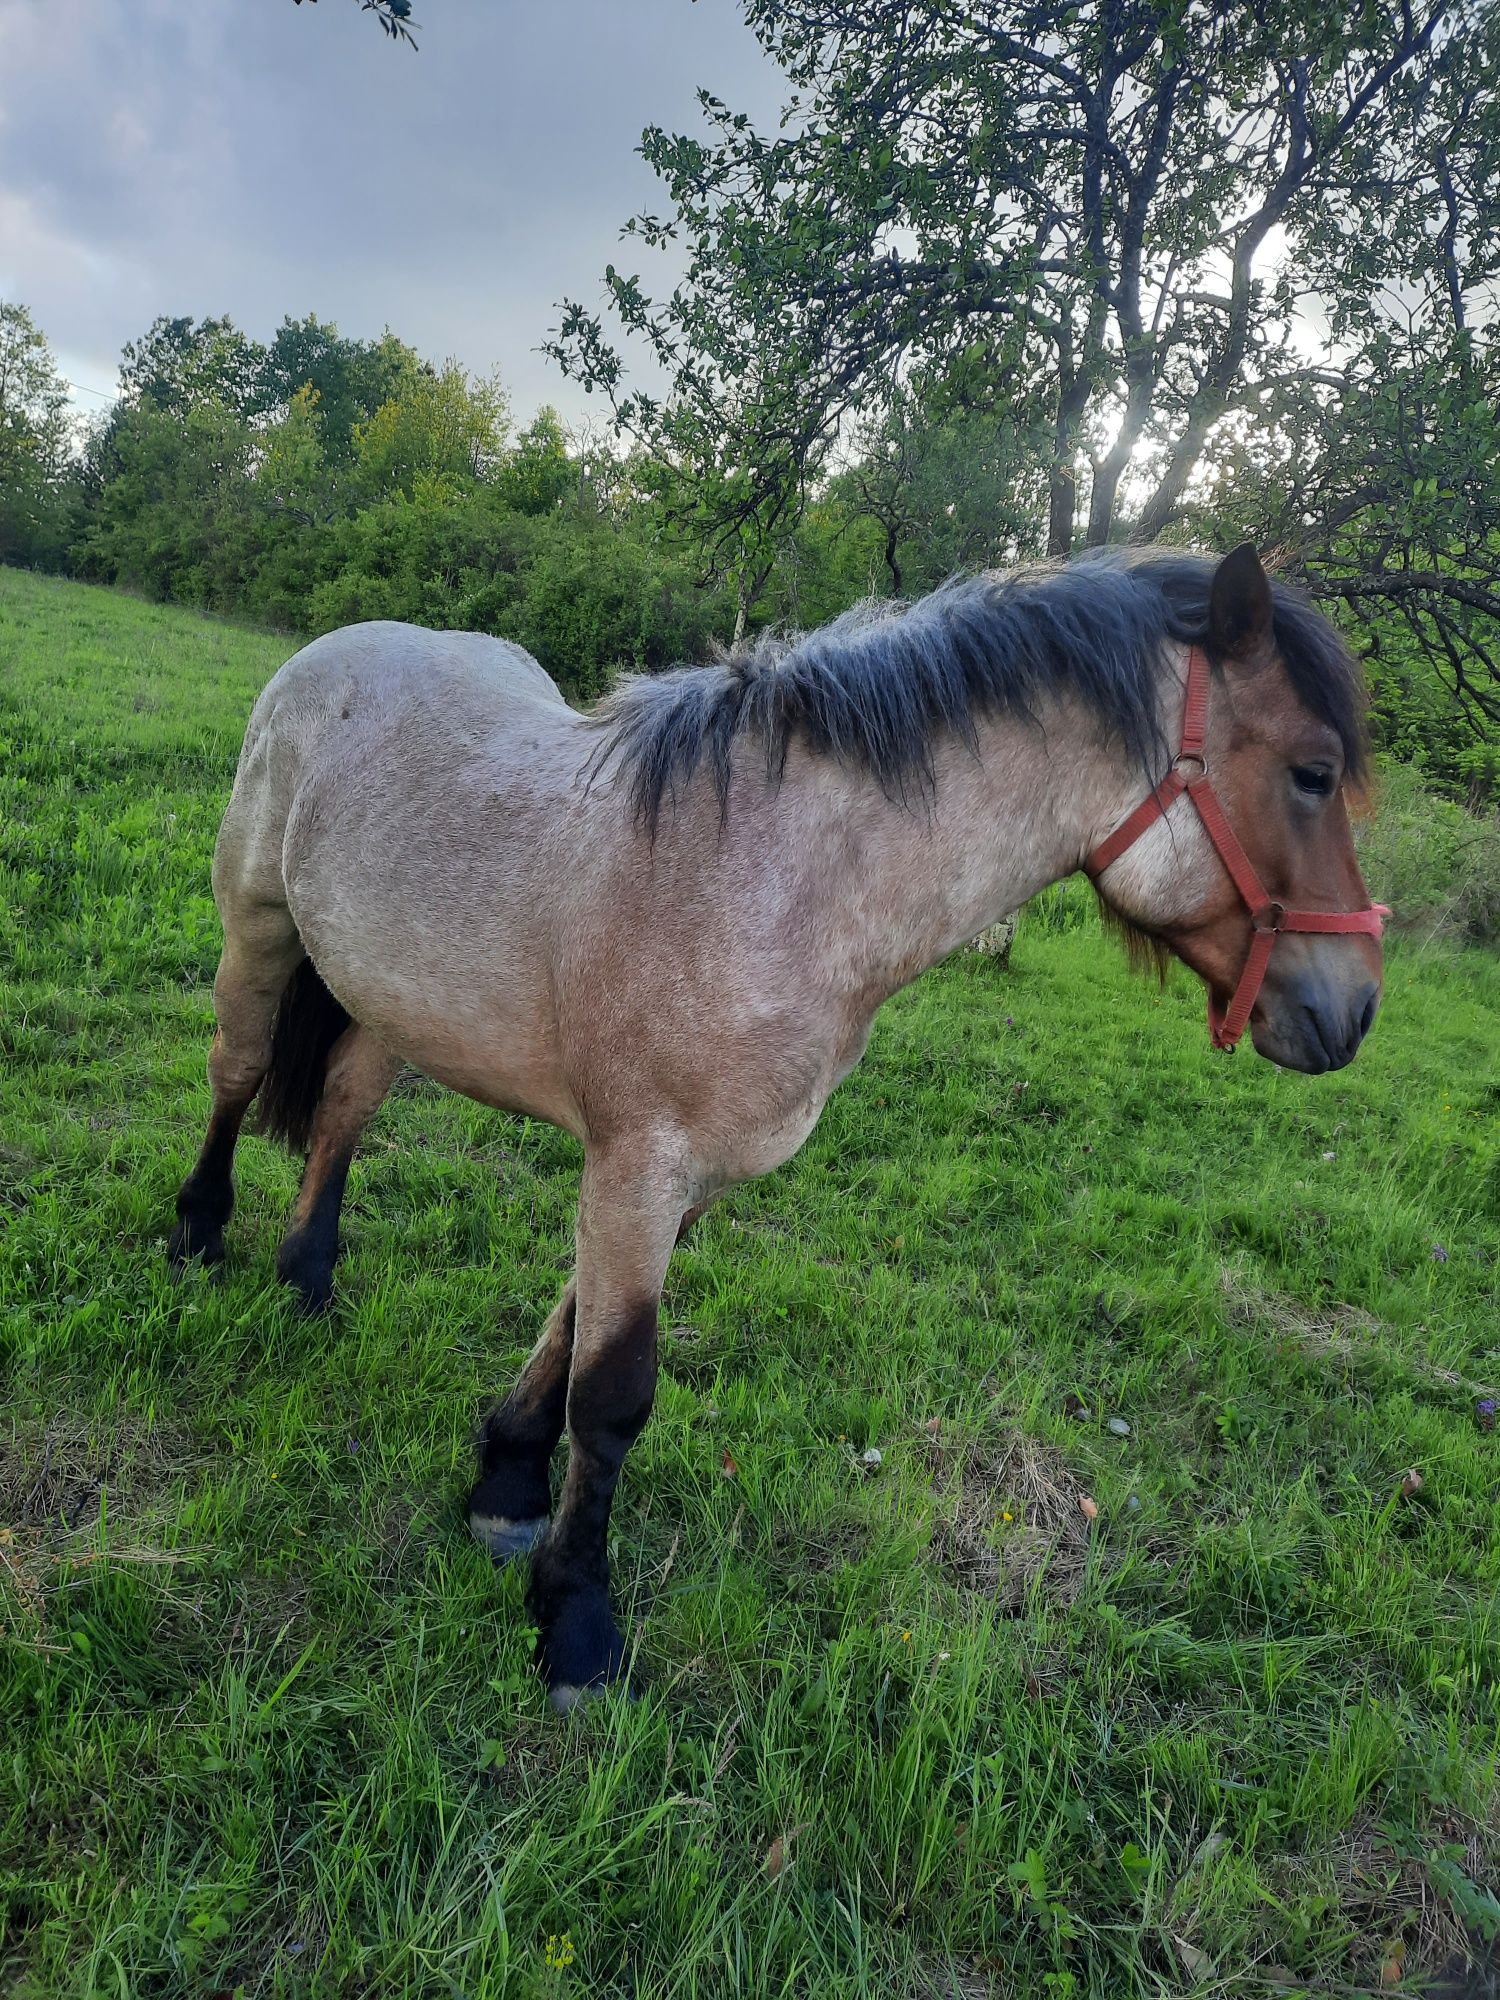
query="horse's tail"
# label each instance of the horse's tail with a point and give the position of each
(308, 1023)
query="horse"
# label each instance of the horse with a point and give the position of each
(667, 925)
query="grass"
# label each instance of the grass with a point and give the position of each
(267, 1724)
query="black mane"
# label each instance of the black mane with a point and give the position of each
(880, 685)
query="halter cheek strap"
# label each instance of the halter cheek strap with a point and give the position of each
(1268, 918)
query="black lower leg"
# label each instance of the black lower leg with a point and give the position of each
(509, 1505)
(579, 1645)
(205, 1201)
(311, 1245)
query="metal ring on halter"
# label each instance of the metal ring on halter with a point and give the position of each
(1191, 757)
(1269, 917)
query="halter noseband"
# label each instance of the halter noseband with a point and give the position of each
(1268, 918)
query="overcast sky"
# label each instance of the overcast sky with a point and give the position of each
(256, 158)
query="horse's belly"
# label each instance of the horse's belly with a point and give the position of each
(484, 1046)
(530, 1093)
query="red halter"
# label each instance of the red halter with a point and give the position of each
(1267, 917)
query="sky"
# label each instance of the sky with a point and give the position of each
(259, 158)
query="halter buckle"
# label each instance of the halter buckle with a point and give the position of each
(1269, 917)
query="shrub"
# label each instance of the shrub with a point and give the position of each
(1437, 865)
(582, 593)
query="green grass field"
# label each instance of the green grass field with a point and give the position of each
(267, 1722)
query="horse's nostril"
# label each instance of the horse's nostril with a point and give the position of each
(1367, 1012)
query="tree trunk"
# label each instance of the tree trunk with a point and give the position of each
(1180, 468)
(748, 587)
(1110, 469)
(892, 543)
(996, 942)
(1062, 499)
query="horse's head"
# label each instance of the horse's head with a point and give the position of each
(1268, 857)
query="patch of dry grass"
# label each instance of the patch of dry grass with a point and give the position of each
(1012, 1520)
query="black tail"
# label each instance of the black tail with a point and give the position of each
(308, 1023)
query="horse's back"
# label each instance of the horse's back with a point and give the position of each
(373, 708)
(395, 667)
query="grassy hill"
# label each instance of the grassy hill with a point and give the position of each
(267, 1724)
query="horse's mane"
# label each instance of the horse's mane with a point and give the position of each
(878, 687)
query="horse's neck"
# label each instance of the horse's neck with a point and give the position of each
(999, 826)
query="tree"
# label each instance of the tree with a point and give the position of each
(171, 507)
(443, 427)
(394, 17)
(951, 484)
(351, 378)
(292, 474)
(1383, 495)
(537, 475)
(35, 440)
(1132, 214)
(180, 364)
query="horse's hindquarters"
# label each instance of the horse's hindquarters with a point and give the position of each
(428, 914)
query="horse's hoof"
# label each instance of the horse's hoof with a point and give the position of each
(186, 1246)
(563, 1697)
(563, 1700)
(309, 1277)
(507, 1539)
(579, 1651)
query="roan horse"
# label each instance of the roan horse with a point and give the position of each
(667, 926)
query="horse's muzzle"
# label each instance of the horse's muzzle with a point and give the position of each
(1314, 1025)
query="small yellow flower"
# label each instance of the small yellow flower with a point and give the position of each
(559, 1953)
(1007, 1517)
(906, 1638)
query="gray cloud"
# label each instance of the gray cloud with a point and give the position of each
(255, 158)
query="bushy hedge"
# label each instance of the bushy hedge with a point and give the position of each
(204, 507)
(1436, 864)
(583, 594)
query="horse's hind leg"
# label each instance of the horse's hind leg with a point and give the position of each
(359, 1074)
(508, 1508)
(260, 956)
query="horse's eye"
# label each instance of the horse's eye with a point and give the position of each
(1314, 779)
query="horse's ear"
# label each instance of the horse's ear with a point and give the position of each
(1240, 609)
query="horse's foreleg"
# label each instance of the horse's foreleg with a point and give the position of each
(509, 1505)
(258, 960)
(360, 1072)
(628, 1218)
(508, 1508)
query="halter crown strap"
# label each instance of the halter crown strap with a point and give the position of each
(1268, 918)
